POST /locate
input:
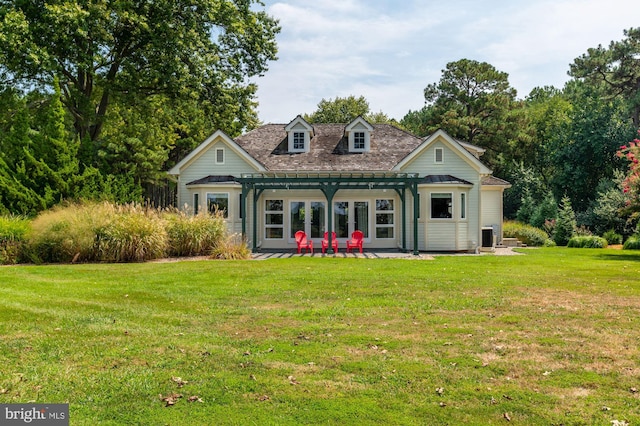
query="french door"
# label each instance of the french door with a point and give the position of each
(308, 216)
(349, 216)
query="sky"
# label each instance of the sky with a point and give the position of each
(389, 51)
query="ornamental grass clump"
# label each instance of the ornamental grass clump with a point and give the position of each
(66, 233)
(231, 247)
(632, 243)
(13, 231)
(135, 234)
(529, 235)
(587, 241)
(193, 235)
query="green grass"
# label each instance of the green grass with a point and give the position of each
(550, 337)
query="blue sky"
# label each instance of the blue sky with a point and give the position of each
(389, 51)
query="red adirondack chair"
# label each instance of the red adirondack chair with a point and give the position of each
(334, 242)
(303, 243)
(355, 241)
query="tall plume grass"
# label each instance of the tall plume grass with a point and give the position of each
(193, 235)
(13, 231)
(104, 232)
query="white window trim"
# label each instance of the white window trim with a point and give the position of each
(453, 209)
(435, 155)
(306, 140)
(367, 140)
(224, 155)
(386, 225)
(463, 206)
(281, 212)
(206, 197)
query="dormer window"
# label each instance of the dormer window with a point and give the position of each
(298, 141)
(359, 141)
(299, 134)
(358, 133)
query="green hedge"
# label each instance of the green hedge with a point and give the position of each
(584, 241)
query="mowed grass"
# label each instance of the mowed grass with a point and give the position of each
(547, 338)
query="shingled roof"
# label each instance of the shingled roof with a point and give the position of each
(328, 149)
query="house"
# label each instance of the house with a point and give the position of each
(403, 192)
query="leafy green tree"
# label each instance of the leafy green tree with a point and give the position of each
(472, 101)
(197, 49)
(339, 110)
(582, 151)
(617, 68)
(607, 210)
(545, 210)
(566, 223)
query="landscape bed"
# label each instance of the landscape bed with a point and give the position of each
(550, 337)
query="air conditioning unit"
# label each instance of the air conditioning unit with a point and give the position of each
(488, 239)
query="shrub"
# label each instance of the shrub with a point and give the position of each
(632, 243)
(232, 247)
(565, 224)
(136, 234)
(528, 234)
(66, 233)
(13, 231)
(612, 237)
(193, 235)
(587, 241)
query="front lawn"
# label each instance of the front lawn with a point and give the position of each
(550, 337)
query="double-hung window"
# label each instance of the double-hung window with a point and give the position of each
(218, 201)
(298, 141)
(359, 141)
(274, 219)
(385, 213)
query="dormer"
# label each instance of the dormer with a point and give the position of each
(299, 134)
(358, 132)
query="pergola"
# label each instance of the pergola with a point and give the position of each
(330, 184)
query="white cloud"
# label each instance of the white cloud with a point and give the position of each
(389, 51)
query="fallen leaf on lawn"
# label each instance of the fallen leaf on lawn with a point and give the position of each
(507, 397)
(493, 401)
(179, 381)
(546, 373)
(293, 380)
(264, 398)
(195, 398)
(633, 390)
(252, 377)
(442, 404)
(247, 353)
(170, 399)
(605, 408)
(507, 417)
(440, 391)
(269, 350)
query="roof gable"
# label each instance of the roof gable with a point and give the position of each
(358, 123)
(452, 143)
(207, 144)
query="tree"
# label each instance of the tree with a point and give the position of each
(566, 223)
(340, 110)
(472, 101)
(582, 150)
(631, 183)
(197, 49)
(617, 67)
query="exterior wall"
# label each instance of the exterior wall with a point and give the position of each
(492, 204)
(288, 196)
(453, 234)
(205, 165)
